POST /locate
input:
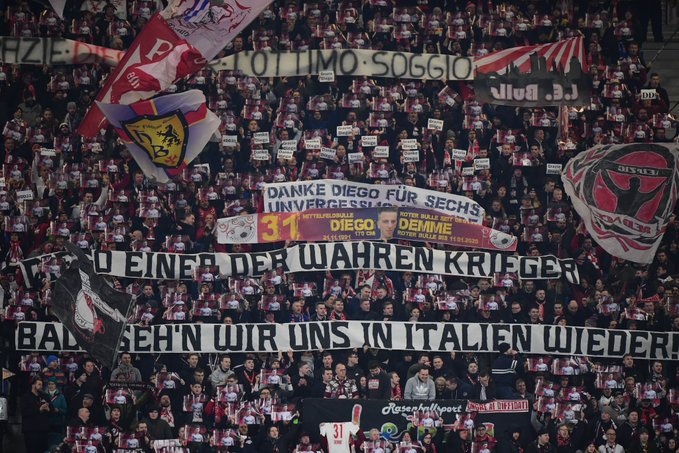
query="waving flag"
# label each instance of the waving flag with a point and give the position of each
(89, 307)
(558, 54)
(625, 194)
(176, 42)
(534, 76)
(166, 133)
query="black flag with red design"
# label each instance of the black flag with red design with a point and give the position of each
(91, 309)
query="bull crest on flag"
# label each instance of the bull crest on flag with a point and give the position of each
(163, 137)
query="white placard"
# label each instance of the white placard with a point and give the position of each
(411, 155)
(368, 140)
(260, 138)
(649, 94)
(434, 124)
(326, 76)
(409, 143)
(355, 158)
(345, 131)
(312, 143)
(328, 153)
(482, 163)
(285, 153)
(2, 182)
(554, 169)
(289, 144)
(24, 195)
(381, 152)
(467, 171)
(230, 140)
(47, 152)
(261, 154)
(459, 154)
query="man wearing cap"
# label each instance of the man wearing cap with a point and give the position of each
(541, 444)
(504, 371)
(156, 426)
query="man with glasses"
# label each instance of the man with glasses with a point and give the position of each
(611, 446)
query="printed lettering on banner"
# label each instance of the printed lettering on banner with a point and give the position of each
(381, 152)
(285, 153)
(312, 143)
(289, 144)
(554, 169)
(649, 94)
(230, 140)
(482, 164)
(535, 339)
(326, 76)
(24, 195)
(328, 153)
(260, 138)
(355, 158)
(368, 140)
(48, 152)
(345, 131)
(261, 154)
(411, 155)
(434, 124)
(409, 143)
(467, 171)
(459, 154)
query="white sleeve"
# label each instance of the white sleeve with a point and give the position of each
(353, 428)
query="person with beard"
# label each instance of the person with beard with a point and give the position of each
(35, 417)
(379, 385)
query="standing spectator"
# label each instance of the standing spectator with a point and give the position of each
(541, 444)
(420, 386)
(35, 418)
(379, 386)
(504, 371)
(125, 371)
(611, 446)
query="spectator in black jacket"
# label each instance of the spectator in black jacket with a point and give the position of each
(379, 385)
(35, 423)
(504, 371)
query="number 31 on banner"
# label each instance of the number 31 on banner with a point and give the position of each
(277, 227)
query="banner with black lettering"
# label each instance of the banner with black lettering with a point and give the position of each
(331, 256)
(55, 51)
(334, 194)
(348, 62)
(534, 76)
(625, 195)
(406, 336)
(386, 223)
(394, 418)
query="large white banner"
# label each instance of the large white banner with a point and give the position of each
(54, 51)
(402, 336)
(331, 256)
(333, 194)
(348, 62)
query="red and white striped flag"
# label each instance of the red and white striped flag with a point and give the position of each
(557, 54)
(175, 43)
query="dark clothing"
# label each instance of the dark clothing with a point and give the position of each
(379, 387)
(34, 424)
(158, 429)
(534, 447)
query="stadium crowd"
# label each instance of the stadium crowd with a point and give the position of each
(90, 191)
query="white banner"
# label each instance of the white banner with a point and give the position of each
(401, 336)
(326, 193)
(348, 62)
(54, 51)
(329, 256)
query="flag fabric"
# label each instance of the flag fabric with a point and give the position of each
(58, 6)
(90, 308)
(166, 133)
(176, 42)
(557, 54)
(625, 195)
